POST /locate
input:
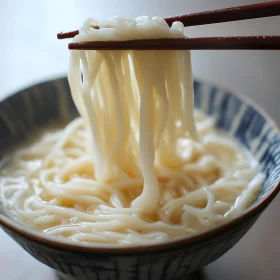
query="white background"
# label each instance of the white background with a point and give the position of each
(30, 52)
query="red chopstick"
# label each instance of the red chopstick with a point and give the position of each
(208, 43)
(267, 9)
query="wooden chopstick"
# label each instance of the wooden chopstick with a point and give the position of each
(267, 9)
(207, 43)
(67, 35)
(260, 10)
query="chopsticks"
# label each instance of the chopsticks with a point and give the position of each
(208, 43)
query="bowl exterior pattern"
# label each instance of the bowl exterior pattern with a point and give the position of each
(29, 109)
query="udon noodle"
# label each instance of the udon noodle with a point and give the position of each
(139, 166)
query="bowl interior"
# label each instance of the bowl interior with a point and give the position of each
(247, 123)
(26, 111)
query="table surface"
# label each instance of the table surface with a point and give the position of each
(29, 52)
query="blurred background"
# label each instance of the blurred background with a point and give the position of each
(30, 53)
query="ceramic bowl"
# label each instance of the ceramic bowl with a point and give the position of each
(28, 110)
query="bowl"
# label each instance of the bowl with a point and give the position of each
(28, 110)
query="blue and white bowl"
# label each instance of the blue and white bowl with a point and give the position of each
(28, 110)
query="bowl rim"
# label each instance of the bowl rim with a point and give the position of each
(120, 249)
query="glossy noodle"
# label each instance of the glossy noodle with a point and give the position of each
(139, 166)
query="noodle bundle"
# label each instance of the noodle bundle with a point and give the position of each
(140, 165)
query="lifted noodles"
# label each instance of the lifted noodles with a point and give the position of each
(140, 166)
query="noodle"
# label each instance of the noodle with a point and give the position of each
(63, 198)
(139, 166)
